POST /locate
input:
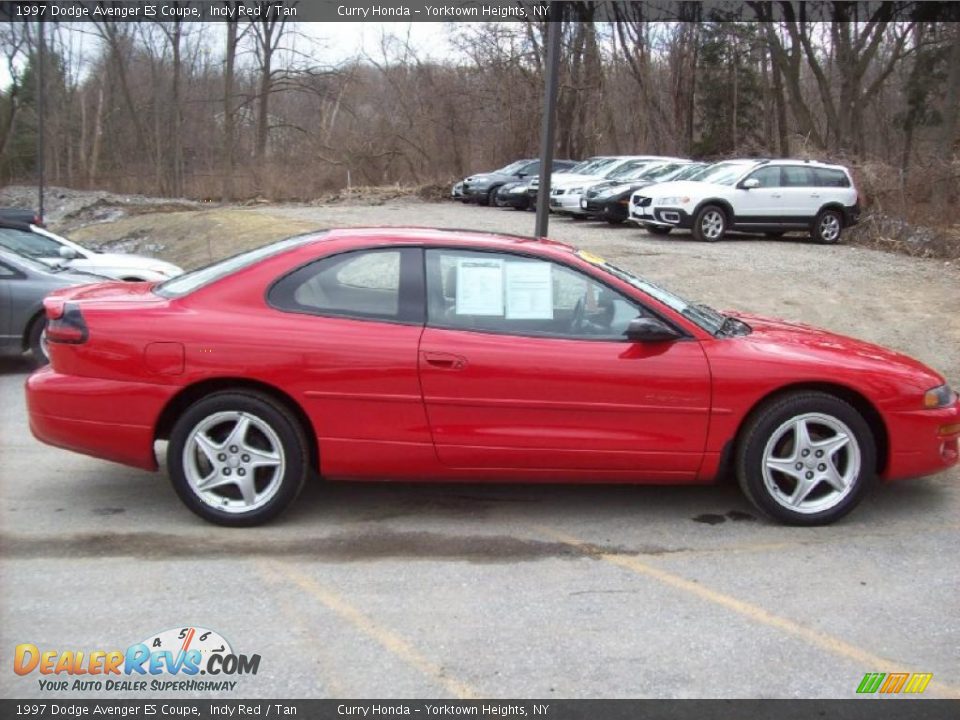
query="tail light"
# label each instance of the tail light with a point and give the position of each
(65, 324)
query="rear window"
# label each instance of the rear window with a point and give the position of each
(188, 282)
(830, 177)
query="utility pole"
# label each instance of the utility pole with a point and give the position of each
(548, 124)
(40, 123)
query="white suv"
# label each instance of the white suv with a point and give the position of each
(769, 196)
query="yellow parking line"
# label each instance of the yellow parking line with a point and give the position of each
(385, 637)
(867, 660)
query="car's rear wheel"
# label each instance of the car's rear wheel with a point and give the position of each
(827, 227)
(710, 224)
(237, 458)
(806, 458)
(37, 339)
(658, 230)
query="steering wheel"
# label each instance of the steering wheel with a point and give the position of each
(576, 320)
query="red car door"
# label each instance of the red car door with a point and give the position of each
(544, 379)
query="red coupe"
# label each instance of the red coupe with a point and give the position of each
(415, 354)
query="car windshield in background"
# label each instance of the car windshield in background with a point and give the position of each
(188, 282)
(28, 244)
(597, 167)
(703, 315)
(724, 173)
(26, 261)
(691, 172)
(668, 171)
(629, 170)
(512, 169)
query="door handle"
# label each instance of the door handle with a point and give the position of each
(445, 361)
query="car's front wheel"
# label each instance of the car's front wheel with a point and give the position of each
(710, 224)
(806, 458)
(237, 458)
(827, 227)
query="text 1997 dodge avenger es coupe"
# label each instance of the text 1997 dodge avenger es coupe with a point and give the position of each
(415, 354)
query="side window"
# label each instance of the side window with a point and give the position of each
(769, 177)
(797, 176)
(374, 284)
(828, 177)
(514, 295)
(6, 272)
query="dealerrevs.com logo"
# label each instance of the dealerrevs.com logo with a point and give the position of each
(170, 661)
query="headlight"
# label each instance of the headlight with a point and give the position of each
(675, 200)
(939, 397)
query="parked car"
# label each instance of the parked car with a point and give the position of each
(770, 196)
(610, 199)
(21, 215)
(23, 285)
(585, 168)
(518, 194)
(456, 192)
(483, 188)
(417, 354)
(565, 194)
(43, 245)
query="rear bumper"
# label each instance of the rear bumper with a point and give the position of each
(108, 419)
(923, 442)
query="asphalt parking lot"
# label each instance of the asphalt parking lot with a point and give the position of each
(465, 591)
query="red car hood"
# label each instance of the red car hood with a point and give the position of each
(797, 339)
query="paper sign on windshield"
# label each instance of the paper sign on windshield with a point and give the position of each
(479, 286)
(529, 291)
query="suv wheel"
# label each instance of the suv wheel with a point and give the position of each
(710, 224)
(806, 458)
(827, 227)
(37, 341)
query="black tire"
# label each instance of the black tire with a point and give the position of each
(827, 227)
(614, 221)
(35, 340)
(288, 431)
(763, 427)
(490, 198)
(657, 229)
(710, 224)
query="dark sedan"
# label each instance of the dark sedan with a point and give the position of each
(518, 194)
(483, 188)
(610, 200)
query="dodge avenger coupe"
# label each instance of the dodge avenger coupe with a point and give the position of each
(418, 354)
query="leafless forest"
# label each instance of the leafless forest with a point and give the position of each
(244, 109)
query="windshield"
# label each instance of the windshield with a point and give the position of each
(28, 262)
(512, 168)
(593, 167)
(702, 315)
(29, 244)
(691, 172)
(190, 281)
(629, 170)
(724, 173)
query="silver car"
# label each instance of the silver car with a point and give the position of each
(24, 283)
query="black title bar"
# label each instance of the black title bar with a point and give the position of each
(474, 11)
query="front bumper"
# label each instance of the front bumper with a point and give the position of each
(109, 419)
(661, 216)
(923, 442)
(567, 204)
(520, 200)
(606, 209)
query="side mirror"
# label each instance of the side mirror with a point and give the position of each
(750, 183)
(649, 330)
(68, 253)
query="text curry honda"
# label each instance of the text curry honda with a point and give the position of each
(419, 354)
